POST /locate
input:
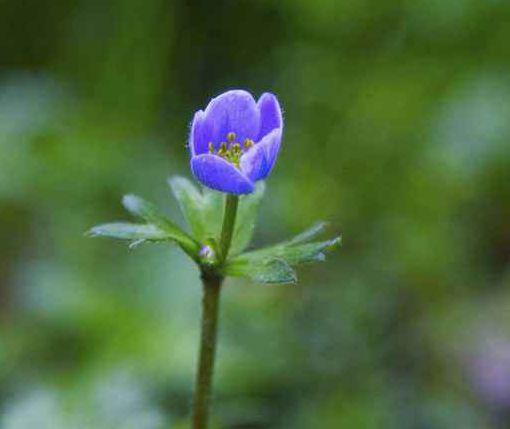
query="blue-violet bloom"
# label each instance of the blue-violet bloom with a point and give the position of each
(235, 141)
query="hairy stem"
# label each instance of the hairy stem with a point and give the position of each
(212, 282)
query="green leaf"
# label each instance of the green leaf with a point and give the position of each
(190, 203)
(140, 208)
(203, 211)
(128, 231)
(150, 213)
(293, 254)
(246, 217)
(212, 210)
(310, 233)
(274, 271)
(273, 264)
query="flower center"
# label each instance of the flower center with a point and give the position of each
(231, 150)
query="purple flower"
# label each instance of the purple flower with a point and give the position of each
(235, 141)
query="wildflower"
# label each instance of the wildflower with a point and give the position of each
(235, 141)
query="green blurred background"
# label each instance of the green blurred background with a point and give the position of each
(397, 131)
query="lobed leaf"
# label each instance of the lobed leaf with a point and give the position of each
(273, 271)
(150, 213)
(128, 231)
(293, 254)
(260, 265)
(190, 203)
(310, 233)
(203, 211)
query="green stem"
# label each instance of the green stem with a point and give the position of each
(203, 384)
(229, 220)
(212, 282)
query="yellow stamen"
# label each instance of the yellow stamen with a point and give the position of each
(222, 151)
(231, 150)
(231, 137)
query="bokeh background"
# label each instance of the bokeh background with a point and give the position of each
(397, 132)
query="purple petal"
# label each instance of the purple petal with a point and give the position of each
(233, 111)
(217, 173)
(197, 142)
(270, 114)
(257, 163)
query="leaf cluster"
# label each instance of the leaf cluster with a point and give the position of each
(203, 211)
